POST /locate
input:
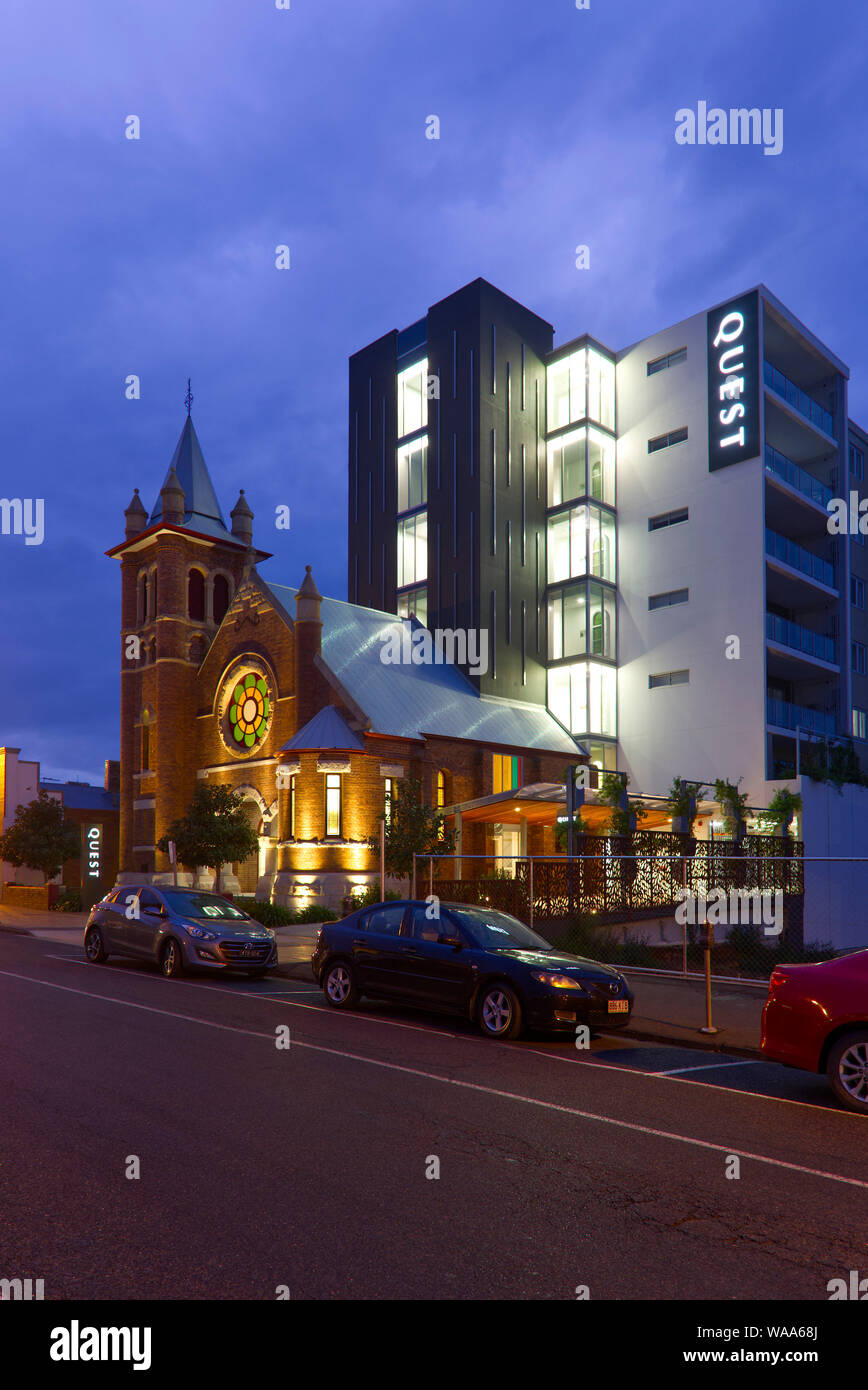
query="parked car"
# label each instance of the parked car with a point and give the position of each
(178, 929)
(485, 965)
(816, 1018)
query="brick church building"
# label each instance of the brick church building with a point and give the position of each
(283, 695)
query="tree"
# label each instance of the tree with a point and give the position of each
(413, 828)
(626, 815)
(681, 800)
(215, 831)
(41, 837)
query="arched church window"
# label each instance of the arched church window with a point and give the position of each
(145, 760)
(196, 596)
(142, 601)
(221, 597)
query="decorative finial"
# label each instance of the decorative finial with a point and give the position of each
(188, 399)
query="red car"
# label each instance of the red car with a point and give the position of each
(816, 1018)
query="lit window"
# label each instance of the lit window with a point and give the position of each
(412, 399)
(584, 697)
(565, 390)
(860, 723)
(581, 541)
(333, 803)
(412, 549)
(441, 789)
(413, 474)
(601, 389)
(506, 773)
(414, 602)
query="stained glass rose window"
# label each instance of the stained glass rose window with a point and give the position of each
(248, 710)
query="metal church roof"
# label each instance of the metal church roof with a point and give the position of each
(411, 701)
(327, 729)
(201, 509)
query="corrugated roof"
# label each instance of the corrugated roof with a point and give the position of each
(79, 797)
(327, 729)
(411, 701)
(201, 508)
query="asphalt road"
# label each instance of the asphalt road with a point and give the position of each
(306, 1166)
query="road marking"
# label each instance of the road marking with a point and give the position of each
(467, 1086)
(576, 1060)
(708, 1066)
(242, 994)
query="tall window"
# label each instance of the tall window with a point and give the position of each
(412, 399)
(196, 596)
(292, 807)
(413, 474)
(581, 541)
(506, 773)
(412, 549)
(441, 789)
(333, 803)
(145, 765)
(142, 604)
(221, 597)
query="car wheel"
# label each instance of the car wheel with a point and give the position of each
(500, 1012)
(171, 960)
(847, 1070)
(94, 946)
(339, 986)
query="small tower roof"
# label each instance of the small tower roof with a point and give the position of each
(202, 510)
(308, 585)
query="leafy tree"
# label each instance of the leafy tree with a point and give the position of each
(413, 828)
(733, 803)
(781, 809)
(41, 837)
(215, 831)
(681, 800)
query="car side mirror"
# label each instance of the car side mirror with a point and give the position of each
(455, 941)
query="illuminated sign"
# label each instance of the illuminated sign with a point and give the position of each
(93, 849)
(733, 382)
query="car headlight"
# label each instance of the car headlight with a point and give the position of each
(200, 933)
(547, 977)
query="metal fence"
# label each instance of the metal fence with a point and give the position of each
(648, 899)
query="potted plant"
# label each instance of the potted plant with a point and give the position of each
(781, 809)
(681, 800)
(733, 805)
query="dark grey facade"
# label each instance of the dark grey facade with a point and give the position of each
(484, 506)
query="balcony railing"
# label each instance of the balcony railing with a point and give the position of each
(797, 398)
(801, 639)
(799, 558)
(797, 477)
(788, 716)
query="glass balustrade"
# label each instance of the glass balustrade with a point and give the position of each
(795, 555)
(788, 716)
(797, 398)
(800, 639)
(797, 477)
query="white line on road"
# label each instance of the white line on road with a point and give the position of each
(466, 1085)
(709, 1066)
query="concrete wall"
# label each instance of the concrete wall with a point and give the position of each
(836, 895)
(713, 727)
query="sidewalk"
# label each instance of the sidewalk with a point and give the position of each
(665, 1009)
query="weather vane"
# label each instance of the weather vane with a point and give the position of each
(188, 399)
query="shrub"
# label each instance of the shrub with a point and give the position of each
(68, 901)
(312, 913)
(269, 914)
(370, 896)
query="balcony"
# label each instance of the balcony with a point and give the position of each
(797, 477)
(798, 399)
(800, 639)
(787, 716)
(798, 558)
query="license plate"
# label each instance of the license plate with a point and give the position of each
(619, 1006)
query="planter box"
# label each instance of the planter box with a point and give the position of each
(25, 895)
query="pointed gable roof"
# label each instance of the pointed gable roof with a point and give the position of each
(327, 730)
(202, 510)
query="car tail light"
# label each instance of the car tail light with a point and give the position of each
(778, 977)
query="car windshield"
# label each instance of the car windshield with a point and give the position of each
(497, 931)
(203, 905)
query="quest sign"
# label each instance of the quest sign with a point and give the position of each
(92, 864)
(734, 382)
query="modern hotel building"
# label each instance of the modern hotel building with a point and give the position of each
(643, 531)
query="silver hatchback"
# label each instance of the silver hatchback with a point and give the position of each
(178, 929)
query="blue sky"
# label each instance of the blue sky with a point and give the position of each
(306, 127)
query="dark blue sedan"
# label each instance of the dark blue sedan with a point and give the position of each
(482, 964)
